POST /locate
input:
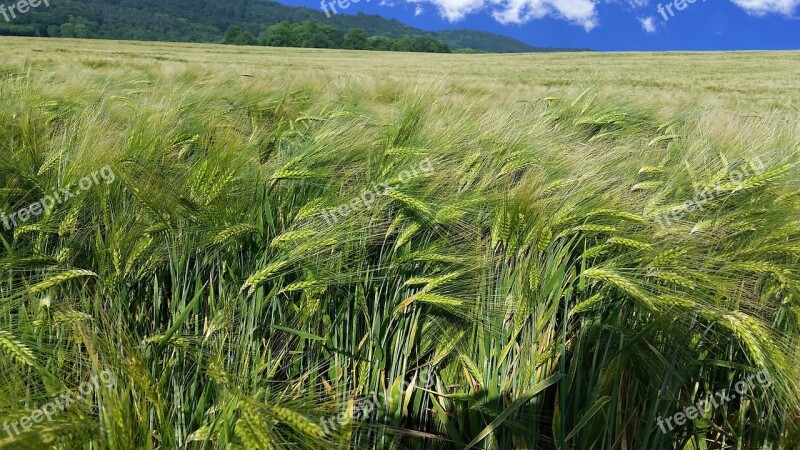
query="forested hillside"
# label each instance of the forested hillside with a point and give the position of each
(207, 21)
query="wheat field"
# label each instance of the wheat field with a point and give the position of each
(208, 247)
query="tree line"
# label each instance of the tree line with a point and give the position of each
(207, 20)
(311, 34)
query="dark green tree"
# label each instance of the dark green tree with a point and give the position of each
(237, 35)
(67, 30)
(355, 39)
(428, 44)
(379, 43)
(303, 31)
(81, 31)
(280, 35)
(320, 40)
(402, 45)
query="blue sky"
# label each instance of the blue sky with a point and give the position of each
(606, 25)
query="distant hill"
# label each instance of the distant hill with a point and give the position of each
(489, 42)
(207, 21)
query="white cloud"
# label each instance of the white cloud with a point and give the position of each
(455, 10)
(761, 7)
(580, 12)
(648, 24)
(631, 3)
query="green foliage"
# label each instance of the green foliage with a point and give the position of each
(379, 43)
(12, 29)
(67, 30)
(518, 273)
(355, 39)
(206, 21)
(310, 34)
(237, 35)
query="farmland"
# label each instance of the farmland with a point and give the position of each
(294, 248)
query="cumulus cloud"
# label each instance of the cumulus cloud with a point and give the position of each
(762, 7)
(418, 11)
(455, 10)
(648, 24)
(631, 3)
(580, 12)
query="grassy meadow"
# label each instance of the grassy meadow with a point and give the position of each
(317, 249)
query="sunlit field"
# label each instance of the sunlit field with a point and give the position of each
(213, 247)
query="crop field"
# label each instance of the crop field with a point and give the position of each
(209, 247)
